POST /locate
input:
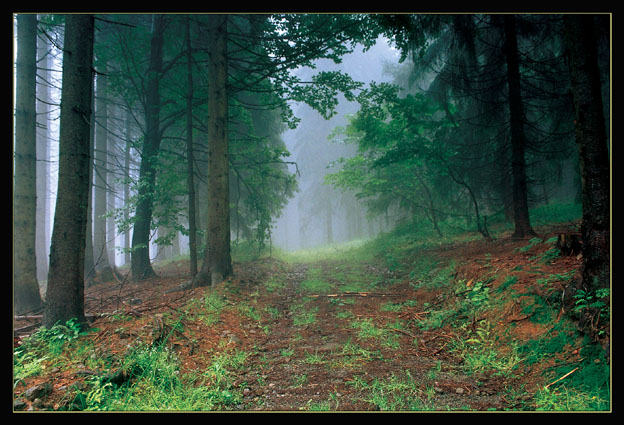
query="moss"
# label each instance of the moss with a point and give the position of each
(536, 350)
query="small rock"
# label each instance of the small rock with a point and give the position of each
(459, 390)
(38, 391)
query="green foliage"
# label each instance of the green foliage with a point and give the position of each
(395, 393)
(557, 212)
(532, 243)
(156, 384)
(594, 303)
(509, 281)
(303, 316)
(46, 345)
(592, 299)
(586, 386)
(50, 340)
(479, 353)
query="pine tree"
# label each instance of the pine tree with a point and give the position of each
(65, 292)
(591, 139)
(26, 288)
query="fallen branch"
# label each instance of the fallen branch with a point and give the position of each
(29, 317)
(354, 294)
(90, 317)
(405, 332)
(563, 377)
(26, 328)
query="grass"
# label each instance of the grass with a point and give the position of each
(396, 393)
(157, 385)
(479, 351)
(47, 347)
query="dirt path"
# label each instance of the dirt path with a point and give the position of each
(354, 351)
(344, 335)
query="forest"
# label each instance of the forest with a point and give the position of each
(305, 212)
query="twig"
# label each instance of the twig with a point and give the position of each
(353, 294)
(564, 376)
(405, 332)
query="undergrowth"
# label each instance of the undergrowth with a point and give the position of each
(463, 308)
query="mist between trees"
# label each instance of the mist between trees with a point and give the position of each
(191, 135)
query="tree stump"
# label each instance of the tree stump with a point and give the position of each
(569, 243)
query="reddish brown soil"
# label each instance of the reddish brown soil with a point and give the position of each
(278, 374)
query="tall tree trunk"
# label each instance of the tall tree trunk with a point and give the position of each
(190, 157)
(141, 266)
(217, 263)
(127, 186)
(591, 139)
(65, 293)
(100, 248)
(43, 153)
(111, 196)
(89, 260)
(522, 221)
(26, 288)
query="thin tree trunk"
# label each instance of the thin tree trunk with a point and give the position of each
(591, 139)
(43, 153)
(434, 219)
(190, 155)
(26, 289)
(141, 266)
(522, 221)
(65, 293)
(217, 263)
(111, 195)
(100, 248)
(481, 226)
(127, 187)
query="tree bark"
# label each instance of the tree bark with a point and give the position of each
(89, 260)
(591, 139)
(26, 289)
(522, 221)
(65, 293)
(217, 263)
(190, 157)
(140, 261)
(127, 186)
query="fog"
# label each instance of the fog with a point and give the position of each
(320, 214)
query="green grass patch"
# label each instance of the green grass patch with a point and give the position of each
(155, 384)
(396, 392)
(479, 352)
